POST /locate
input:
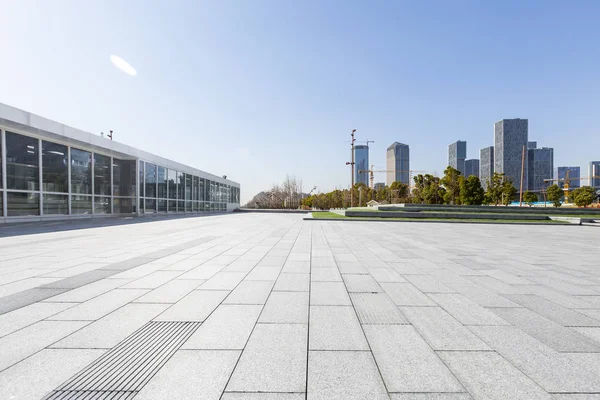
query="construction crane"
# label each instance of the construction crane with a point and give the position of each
(567, 182)
(372, 177)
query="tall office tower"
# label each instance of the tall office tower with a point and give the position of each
(457, 153)
(574, 172)
(471, 167)
(531, 145)
(397, 161)
(510, 136)
(361, 166)
(486, 165)
(541, 166)
(594, 171)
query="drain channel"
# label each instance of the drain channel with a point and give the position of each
(125, 369)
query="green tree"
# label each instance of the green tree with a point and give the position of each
(554, 194)
(399, 191)
(493, 194)
(508, 192)
(471, 192)
(451, 182)
(428, 190)
(584, 196)
(530, 198)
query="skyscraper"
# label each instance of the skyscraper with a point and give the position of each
(361, 166)
(486, 165)
(541, 166)
(510, 136)
(398, 163)
(574, 172)
(457, 153)
(594, 171)
(471, 167)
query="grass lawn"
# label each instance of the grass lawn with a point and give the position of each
(328, 215)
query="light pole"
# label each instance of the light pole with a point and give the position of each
(352, 167)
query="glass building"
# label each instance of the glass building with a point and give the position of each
(397, 162)
(49, 170)
(361, 166)
(457, 155)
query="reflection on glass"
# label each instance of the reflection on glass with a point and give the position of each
(162, 206)
(201, 195)
(1, 202)
(150, 180)
(188, 187)
(188, 206)
(55, 168)
(123, 205)
(162, 183)
(195, 205)
(172, 206)
(150, 206)
(172, 185)
(56, 204)
(102, 173)
(101, 205)
(22, 163)
(81, 171)
(1, 180)
(180, 186)
(141, 178)
(21, 204)
(180, 206)
(196, 192)
(81, 204)
(123, 178)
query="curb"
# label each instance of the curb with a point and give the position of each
(436, 222)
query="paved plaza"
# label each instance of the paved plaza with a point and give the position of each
(268, 306)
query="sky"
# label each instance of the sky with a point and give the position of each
(257, 90)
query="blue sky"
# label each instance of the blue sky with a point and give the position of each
(259, 89)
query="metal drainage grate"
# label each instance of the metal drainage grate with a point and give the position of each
(124, 370)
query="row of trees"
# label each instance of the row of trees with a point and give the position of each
(452, 188)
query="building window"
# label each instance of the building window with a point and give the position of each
(81, 204)
(162, 183)
(123, 178)
(101, 205)
(123, 205)
(102, 173)
(188, 187)
(56, 204)
(150, 180)
(196, 190)
(55, 168)
(22, 163)
(150, 206)
(81, 171)
(22, 204)
(172, 206)
(180, 186)
(162, 206)
(172, 186)
(1, 201)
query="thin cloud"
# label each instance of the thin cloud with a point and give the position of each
(123, 65)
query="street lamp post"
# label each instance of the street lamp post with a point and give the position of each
(352, 167)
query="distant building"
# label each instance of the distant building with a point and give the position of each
(361, 166)
(574, 172)
(531, 145)
(594, 171)
(472, 167)
(540, 163)
(379, 185)
(486, 165)
(510, 137)
(457, 154)
(398, 163)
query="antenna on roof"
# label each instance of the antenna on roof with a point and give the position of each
(110, 135)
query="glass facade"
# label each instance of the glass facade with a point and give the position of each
(47, 178)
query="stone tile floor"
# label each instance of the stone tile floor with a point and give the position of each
(281, 308)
